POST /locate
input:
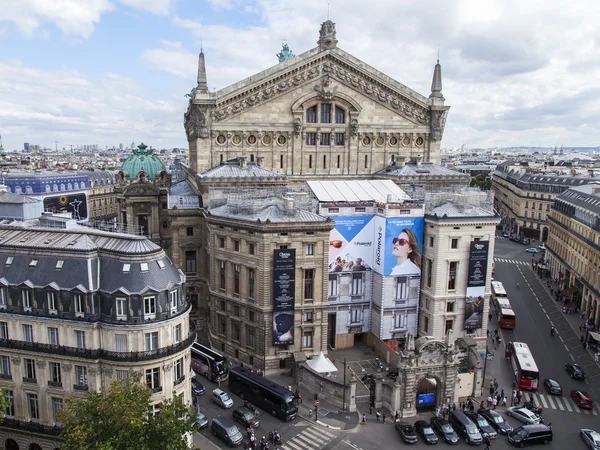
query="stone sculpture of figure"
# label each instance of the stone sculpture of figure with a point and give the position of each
(354, 127)
(285, 52)
(192, 94)
(297, 126)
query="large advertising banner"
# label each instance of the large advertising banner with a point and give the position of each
(402, 240)
(74, 203)
(351, 244)
(284, 289)
(478, 262)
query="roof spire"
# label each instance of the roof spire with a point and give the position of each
(202, 84)
(436, 83)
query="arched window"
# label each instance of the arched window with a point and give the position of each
(311, 114)
(47, 188)
(70, 186)
(76, 186)
(340, 115)
(11, 444)
(18, 190)
(29, 189)
(55, 187)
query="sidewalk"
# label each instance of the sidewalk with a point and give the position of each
(329, 416)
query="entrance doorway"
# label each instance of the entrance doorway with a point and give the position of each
(143, 223)
(426, 394)
(331, 324)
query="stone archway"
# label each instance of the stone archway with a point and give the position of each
(35, 446)
(427, 393)
(11, 444)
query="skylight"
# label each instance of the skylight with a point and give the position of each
(126, 268)
(144, 267)
(161, 264)
(33, 263)
(9, 260)
(59, 264)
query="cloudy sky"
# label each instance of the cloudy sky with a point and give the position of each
(115, 71)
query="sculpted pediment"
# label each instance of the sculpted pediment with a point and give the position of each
(326, 72)
(137, 189)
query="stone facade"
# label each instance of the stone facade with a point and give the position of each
(321, 113)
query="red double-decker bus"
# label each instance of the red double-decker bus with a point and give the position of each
(524, 367)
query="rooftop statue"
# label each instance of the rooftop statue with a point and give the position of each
(142, 150)
(192, 94)
(285, 52)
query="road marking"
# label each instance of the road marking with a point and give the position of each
(570, 355)
(561, 339)
(352, 445)
(543, 400)
(559, 403)
(567, 404)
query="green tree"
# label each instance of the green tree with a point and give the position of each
(121, 420)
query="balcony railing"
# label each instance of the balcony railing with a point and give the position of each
(56, 384)
(62, 350)
(5, 376)
(29, 380)
(34, 427)
(80, 387)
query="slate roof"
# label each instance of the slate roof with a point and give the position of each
(9, 197)
(233, 169)
(272, 210)
(452, 209)
(181, 188)
(583, 197)
(357, 191)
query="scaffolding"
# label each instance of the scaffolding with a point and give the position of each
(461, 195)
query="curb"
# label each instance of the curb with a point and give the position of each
(323, 424)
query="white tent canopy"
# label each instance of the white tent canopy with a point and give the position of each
(321, 364)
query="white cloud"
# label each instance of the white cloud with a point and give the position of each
(162, 7)
(173, 59)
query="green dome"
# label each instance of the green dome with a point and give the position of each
(143, 159)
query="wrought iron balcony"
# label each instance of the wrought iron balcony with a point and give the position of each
(29, 380)
(80, 387)
(62, 350)
(4, 376)
(56, 384)
(34, 427)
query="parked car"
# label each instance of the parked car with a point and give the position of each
(197, 387)
(530, 434)
(531, 250)
(496, 420)
(575, 371)
(583, 399)
(466, 428)
(482, 423)
(505, 235)
(552, 386)
(226, 430)
(245, 417)
(542, 247)
(407, 432)
(426, 432)
(523, 414)
(444, 429)
(201, 421)
(591, 438)
(221, 398)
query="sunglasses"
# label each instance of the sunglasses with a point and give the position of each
(400, 241)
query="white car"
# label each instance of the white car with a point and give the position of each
(524, 415)
(591, 438)
(221, 398)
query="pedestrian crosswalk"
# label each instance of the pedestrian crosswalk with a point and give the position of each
(562, 403)
(512, 261)
(311, 438)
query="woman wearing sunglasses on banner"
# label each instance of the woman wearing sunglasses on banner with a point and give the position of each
(406, 251)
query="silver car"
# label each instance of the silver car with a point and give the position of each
(524, 415)
(591, 438)
(221, 398)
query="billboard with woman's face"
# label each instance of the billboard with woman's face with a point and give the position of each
(399, 245)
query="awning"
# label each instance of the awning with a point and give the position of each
(595, 336)
(321, 364)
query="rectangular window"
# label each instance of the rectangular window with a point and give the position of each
(149, 307)
(426, 325)
(251, 249)
(3, 330)
(121, 343)
(454, 243)
(309, 275)
(429, 272)
(452, 275)
(281, 161)
(357, 284)
(79, 304)
(250, 338)
(235, 331)
(122, 375)
(338, 161)
(81, 376)
(223, 326)
(325, 112)
(173, 299)
(332, 290)
(311, 114)
(178, 370)
(431, 241)
(355, 316)
(30, 370)
(310, 161)
(311, 138)
(57, 404)
(51, 299)
(28, 333)
(339, 140)
(448, 327)
(307, 339)
(121, 308)
(33, 405)
(55, 374)
(324, 161)
(308, 316)
(401, 289)
(251, 316)
(366, 161)
(400, 321)
(80, 338)
(221, 242)
(222, 274)
(189, 231)
(190, 261)
(236, 278)
(325, 139)
(450, 307)
(151, 341)
(53, 336)
(177, 334)
(309, 249)
(236, 245)
(26, 298)
(340, 115)
(251, 283)
(5, 368)
(10, 401)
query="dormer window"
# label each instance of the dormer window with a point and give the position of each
(149, 307)
(59, 264)
(126, 268)
(173, 297)
(79, 305)
(161, 264)
(51, 298)
(144, 267)
(3, 298)
(33, 263)
(26, 299)
(9, 260)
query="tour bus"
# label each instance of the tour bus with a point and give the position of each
(209, 363)
(524, 367)
(502, 303)
(498, 290)
(259, 391)
(506, 318)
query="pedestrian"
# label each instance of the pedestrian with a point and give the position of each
(498, 398)
(490, 317)
(489, 401)
(503, 401)
(397, 416)
(514, 399)
(494, 403)
(364, 421)
(290, 387)
(384, 416)
(370, 409)
(491, 390)
(486, 441)
(453, 406)
(550, 425)
(502, 393)
(377, 415)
